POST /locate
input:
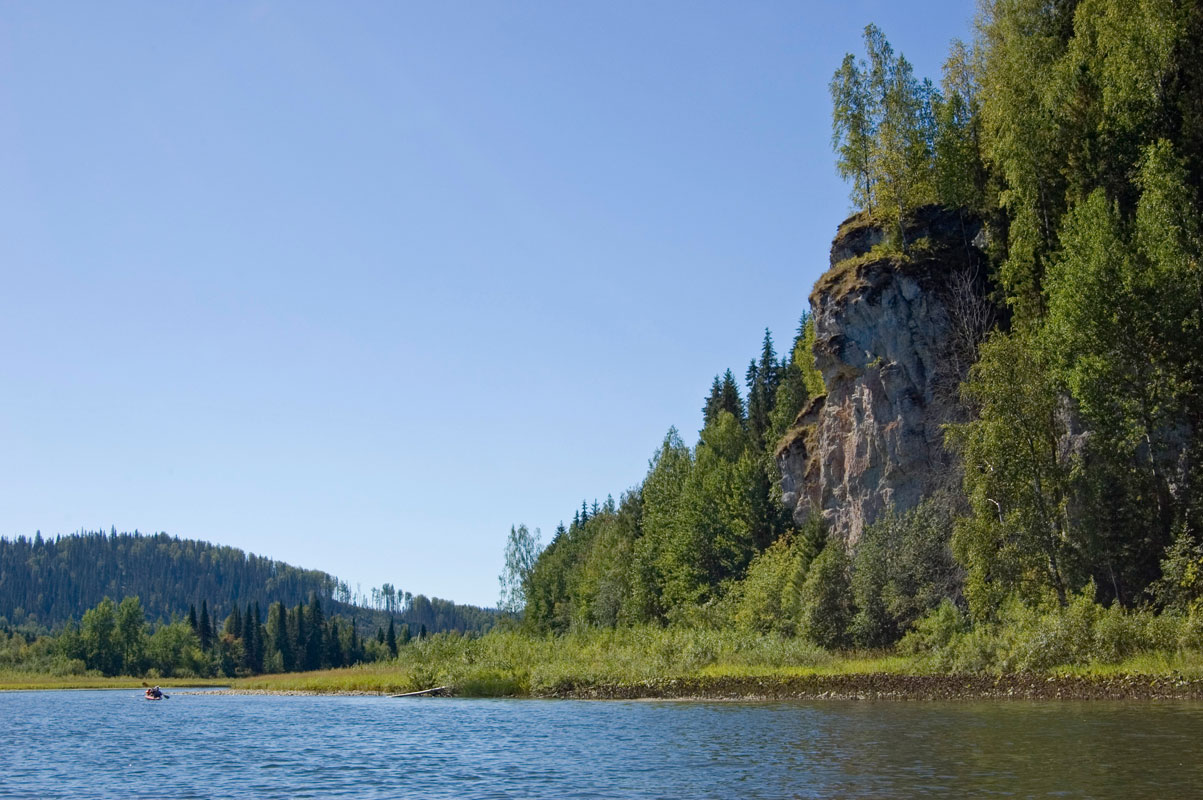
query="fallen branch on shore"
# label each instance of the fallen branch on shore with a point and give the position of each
(434, 692)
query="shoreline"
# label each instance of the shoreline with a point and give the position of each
(867, 686)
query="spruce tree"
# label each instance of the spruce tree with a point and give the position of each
(769, 371)
(730, 400)
(391, 639)
(758, 410)
(205, 629)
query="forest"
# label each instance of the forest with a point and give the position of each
(115, 639)
(1072, 133)
(58, 615)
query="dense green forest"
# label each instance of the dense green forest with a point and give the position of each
(45, 582)
(1073, 133)
(115, 639)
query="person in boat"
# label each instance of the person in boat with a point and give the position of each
(154, 693)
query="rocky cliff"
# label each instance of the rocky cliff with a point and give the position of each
(894, 334)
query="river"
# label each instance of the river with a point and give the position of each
(113, 744)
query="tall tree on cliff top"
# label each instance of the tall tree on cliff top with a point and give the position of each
(884, 132)
(852, 130)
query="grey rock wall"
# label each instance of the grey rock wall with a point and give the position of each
(886, 342)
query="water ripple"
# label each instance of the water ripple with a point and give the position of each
(115, 745)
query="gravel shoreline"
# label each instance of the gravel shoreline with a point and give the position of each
(871, 686)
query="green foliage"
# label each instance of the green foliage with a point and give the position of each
(1017, 476)
(803, 355)
(884, 132)
(852, 129)
(959, 173)
(521, 551)
(826, 599)
(902, 569)
(1180, 587)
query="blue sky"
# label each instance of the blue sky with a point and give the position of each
(358, 286)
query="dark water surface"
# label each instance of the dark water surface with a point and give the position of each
(115, 744)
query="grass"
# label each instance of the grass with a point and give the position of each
(651, 661)
(643, 661)
(16, 680)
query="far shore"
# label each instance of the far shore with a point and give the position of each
(880, 686)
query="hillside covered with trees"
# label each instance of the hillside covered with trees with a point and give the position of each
(1071, 135)
(46, 582)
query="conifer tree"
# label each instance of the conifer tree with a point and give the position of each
(205, 629)
(731, 401)
(391, 639)
(248, 635)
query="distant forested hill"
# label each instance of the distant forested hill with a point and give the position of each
(46, 582)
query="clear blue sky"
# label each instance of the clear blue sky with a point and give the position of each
(360, 285)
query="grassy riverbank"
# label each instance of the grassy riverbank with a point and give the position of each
(654, 662)
(16, 680)
(675, 663)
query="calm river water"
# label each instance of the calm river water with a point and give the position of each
(115, 744)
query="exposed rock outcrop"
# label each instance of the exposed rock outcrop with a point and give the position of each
(894, 336)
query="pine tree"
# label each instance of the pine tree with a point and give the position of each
(192, 623)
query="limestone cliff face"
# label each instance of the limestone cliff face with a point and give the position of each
(890, 341)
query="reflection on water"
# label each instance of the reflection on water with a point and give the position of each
(114, 744)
